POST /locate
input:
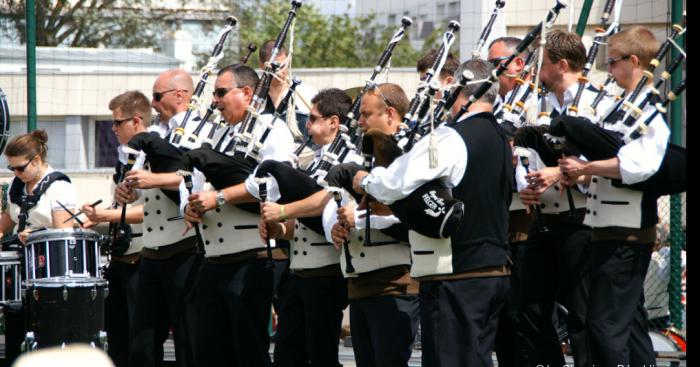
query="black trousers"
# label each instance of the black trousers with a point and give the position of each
(617, 320)
(233, 303)
(555, 270)
(510, 343)
(119, 309)
(14, 331)
(383, 330)
(163, 291)
(280, 276)
(312, 309)
(459, 320)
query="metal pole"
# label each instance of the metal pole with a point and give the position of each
(583, 18)
(30, 15)
(676, 118)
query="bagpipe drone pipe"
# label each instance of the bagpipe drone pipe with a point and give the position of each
(597, 143)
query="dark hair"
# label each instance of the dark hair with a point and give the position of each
(132, 103)
(29, 145)
(568, 46)
(243, 74)
(481, 69)
(510, 42)
(425, 62)
(265, 51)
(332, 102)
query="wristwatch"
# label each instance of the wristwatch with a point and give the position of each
(220, 199)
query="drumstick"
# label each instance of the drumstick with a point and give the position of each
(98, 202)
(69, 212)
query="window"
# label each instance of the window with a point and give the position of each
(105, 145)
(453, 9)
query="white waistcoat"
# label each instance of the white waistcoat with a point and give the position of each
(431, 256)
(229, 230)
(310, 250)
(609, 206)
(364, 259)
(157, 230)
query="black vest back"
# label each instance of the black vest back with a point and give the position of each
(486, 190)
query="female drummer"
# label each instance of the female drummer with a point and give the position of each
(37, 187)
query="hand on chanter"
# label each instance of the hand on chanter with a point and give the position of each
(124, 194)
(270, 230)
(338, 234)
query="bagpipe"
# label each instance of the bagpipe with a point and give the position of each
(629, 112)
(476, 54)
(120, 233)
(233, 164)
(213, 164)
(296, 184)
(600, 35)
(342, 144)
(161, 156)
(430, 210)
(597, 143)
(442, 217)
(216, 55)
(420, 103)
(207, 142)
(243, 140)
(4, 121)
(552, 14)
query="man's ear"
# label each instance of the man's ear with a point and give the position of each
(391, 113)
(449, 80)
(519, 64)
(635, 60)
(563, 65)
(248, 93)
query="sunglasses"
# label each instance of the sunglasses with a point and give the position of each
(117, 123)
(221, 92)
(157, 96)
(21, 168)
(313, 118)
(497, 60)
(612, 61)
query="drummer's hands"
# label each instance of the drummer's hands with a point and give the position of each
(24, 235)
(202, 201)
(141, 179)
(271, 212)
(124, 194)
(94, 214)
(356, 181)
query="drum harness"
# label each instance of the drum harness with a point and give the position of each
(27, 202)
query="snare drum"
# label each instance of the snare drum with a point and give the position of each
(10, 292)
(667, 341)
(65, 310)
(63, 252)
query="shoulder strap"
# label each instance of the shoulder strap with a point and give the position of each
(49, 179)
(16, 189)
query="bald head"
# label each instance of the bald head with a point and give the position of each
(172, 92)
(178, 78)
